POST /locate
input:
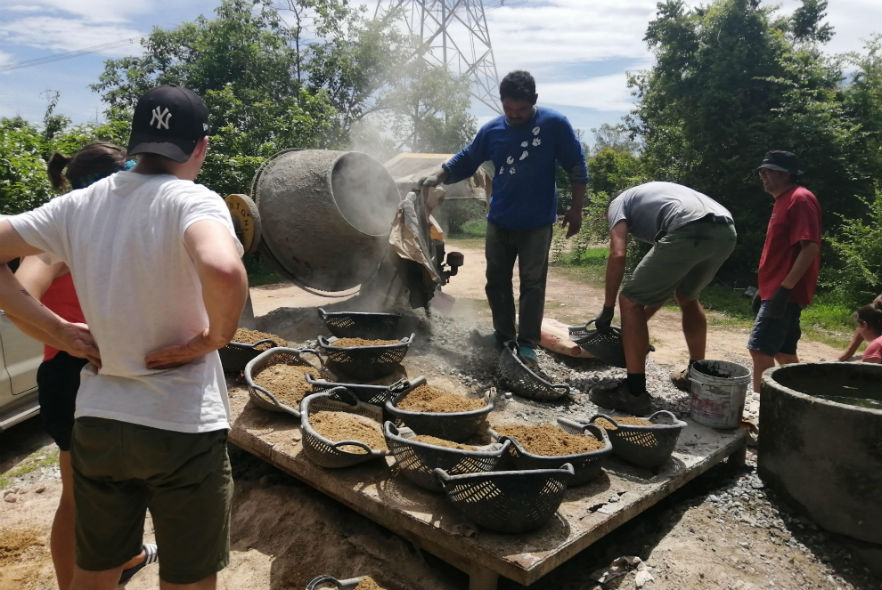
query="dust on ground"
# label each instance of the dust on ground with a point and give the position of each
(723, 530)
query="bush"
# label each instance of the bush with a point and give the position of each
(853, 274)
(475, 228)
(453, 214)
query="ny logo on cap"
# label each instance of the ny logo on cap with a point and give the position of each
(161, 116)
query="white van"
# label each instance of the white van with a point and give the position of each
(20, 355)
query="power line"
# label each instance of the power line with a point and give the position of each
(38, 61)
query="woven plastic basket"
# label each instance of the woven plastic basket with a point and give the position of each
(360, 324)
(262, 397)
(235, 355)
(645, 446)
(415, 459)
(364, 362)
(332, 583)
(605, 345)
(508, 501)
(325, 452)
(515, 376)
(369, 394)
(586, 466)
(454, 426)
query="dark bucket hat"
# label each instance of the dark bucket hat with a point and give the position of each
(781, 161)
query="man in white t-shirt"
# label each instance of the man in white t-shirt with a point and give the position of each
(157, 268)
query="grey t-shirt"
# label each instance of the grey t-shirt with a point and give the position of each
(654, 209)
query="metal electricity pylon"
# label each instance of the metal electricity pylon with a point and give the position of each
(453, 34)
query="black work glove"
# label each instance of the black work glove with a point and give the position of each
(435, 178)
(756, 302)
(602, 321)
(778, 304)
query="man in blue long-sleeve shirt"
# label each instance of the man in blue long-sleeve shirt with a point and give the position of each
(524, 145)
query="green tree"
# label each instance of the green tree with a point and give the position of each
(730, 82)
(857, 246)
(244, 65)
(428, 108)
(23, 181)
(25, 149)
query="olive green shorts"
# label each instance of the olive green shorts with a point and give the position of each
(121, 470)
(684, 262)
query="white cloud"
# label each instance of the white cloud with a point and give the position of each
(60, 34)
(566, 31)
(602, 93)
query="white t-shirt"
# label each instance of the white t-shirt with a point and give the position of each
(123, 239)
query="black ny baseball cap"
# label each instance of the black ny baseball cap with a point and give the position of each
(168, 121)
(781, 161)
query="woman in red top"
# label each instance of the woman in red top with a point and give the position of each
(58, 377)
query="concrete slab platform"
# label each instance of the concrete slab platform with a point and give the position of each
(586, 515)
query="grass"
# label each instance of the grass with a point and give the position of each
(31, 463)
(588, 264)
(825, 320)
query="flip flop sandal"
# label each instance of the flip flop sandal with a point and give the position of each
(151, 555)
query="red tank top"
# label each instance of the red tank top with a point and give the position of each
(61, 298)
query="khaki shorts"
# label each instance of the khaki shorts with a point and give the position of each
(184, 479)
(683, 262)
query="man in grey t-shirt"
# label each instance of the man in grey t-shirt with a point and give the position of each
(692, 235)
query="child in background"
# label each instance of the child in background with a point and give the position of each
(869, 324)
(857, 338)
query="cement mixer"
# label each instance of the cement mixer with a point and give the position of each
(333, 221)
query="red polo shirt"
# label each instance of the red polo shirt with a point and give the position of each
(796, 217)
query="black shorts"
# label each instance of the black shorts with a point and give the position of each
(58, 380)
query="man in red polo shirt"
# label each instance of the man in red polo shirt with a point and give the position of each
(789, 265)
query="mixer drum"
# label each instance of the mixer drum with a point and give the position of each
(325, 215)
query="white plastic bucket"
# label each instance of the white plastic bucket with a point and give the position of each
(718, 389)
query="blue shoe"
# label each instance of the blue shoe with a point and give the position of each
(528, 355)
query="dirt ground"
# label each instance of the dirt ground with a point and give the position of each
(724, 530)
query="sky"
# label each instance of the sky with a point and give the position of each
(578, 50)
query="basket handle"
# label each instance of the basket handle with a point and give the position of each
(391, 429)
(605, 417)
(568, 467)
(667, 414)
(343, 394)
(323, 581)
(253, 345)
(594, 429)
(441, 476)
(408, 339)
(405, 385)
(354, 443)
(313, 381)
(322, 341)
(260, 392)
(313, 351)
(561, 386)
(322, 313)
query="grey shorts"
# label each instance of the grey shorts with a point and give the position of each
(184, 479)
(683, 262)
(776, 335)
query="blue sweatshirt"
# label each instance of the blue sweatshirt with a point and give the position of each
(524, 193)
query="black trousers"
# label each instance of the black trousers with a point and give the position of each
(530, 248)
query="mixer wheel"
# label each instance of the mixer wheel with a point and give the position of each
(246, 221)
